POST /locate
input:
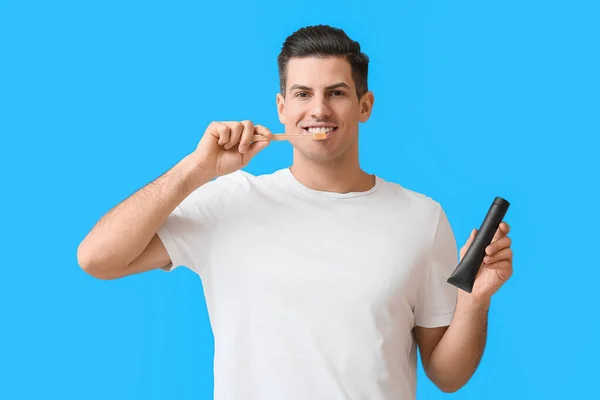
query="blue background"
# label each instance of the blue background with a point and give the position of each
(473, 100)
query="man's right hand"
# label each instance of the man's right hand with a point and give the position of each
(227, 147)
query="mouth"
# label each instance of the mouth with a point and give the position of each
(327, 130)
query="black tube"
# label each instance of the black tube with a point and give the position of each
(465, 273)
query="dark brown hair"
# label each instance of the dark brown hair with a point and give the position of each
(324, 41)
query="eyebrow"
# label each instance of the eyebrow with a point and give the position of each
(330, 87)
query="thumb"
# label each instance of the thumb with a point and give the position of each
(472, 236)
(469, 241)
(255, 148)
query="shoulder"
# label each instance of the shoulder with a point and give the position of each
(428, 216)
(416, 203)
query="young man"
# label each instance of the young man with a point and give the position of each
(320, 279)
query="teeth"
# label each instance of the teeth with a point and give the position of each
(319, 130)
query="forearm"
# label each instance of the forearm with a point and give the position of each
(456, 357)
(121, 235)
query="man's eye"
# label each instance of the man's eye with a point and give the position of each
(301, 94)
(337, 93)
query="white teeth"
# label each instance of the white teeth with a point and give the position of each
(319, 130)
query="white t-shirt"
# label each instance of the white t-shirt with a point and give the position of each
(311, 294)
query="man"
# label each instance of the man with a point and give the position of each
(320, 279)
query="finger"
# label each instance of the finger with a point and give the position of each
(254, 149)
(502, 231)
(213, 129)
(469, 242)
(261, 130)
(503, 267)
(246, 137)
(498, 245)
(471, 238)
(221, 132)
(504, 254)
(236, 132)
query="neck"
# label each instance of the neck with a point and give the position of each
(340, 175)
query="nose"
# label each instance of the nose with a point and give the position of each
(320, 109)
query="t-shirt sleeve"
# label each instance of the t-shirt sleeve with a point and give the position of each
(436, 299)
(188, 231)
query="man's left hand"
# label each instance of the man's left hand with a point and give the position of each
(496, 267)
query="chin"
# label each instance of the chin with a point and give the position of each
(321, 151)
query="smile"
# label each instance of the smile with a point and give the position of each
(321, 129)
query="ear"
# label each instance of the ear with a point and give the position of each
(280, 107)
(366, 106)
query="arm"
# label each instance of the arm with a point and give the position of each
(124, 241)
(450, 355)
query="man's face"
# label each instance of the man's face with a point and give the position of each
(321, 97)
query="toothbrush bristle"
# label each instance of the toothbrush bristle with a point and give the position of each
(319, 136)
